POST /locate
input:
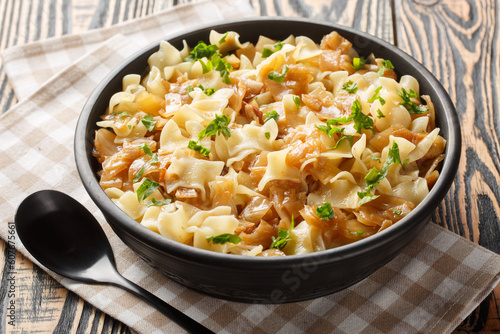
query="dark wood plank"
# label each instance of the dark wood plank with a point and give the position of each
(458, 41)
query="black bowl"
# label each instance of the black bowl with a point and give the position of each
(271, 279)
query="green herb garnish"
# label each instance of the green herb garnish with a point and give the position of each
(200, 51)
(214, 61)
(278, 77)
(222, 239)
(408, 104)
(154, 202)
(386, 65)
(149, 122)
(296, 101)
(198, 148)
(138, 176)
(325, 211)
(216, 127)
(358, 63)
(397, 212)
(377, 97)
(349, 138)
(283, 237)
(121, 114)
(268, 135)
(146, 188)
(331, 125)
(272, 115)
(361, 121)
(219, 64)
(223, 39)
(380, 114)
(154, 159)
(267, 52)
(208, 91)
(145, 147)
(375, 176)
(350, 87)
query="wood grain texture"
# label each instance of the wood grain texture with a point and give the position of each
(456, 39)
(458, 42)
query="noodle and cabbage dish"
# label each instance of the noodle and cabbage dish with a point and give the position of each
(276, 148)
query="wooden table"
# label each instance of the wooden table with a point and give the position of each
(457, 40)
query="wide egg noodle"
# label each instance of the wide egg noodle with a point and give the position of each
(173, 223)
(304, 239)
(186, 171)
(247, 140)
(278, 170)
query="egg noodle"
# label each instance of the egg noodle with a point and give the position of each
(268, 149)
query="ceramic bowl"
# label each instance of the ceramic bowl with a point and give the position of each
(270, 279)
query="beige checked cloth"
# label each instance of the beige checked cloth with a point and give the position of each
(429, 288)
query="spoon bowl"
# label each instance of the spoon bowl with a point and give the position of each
(62, 235)
(66, 238)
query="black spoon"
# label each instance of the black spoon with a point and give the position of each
(66, 238)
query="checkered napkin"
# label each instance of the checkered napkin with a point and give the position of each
(429, 288)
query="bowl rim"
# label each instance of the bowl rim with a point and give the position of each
(347, 252)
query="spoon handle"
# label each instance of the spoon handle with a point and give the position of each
(175, 315)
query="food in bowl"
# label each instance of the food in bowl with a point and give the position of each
(268, 149)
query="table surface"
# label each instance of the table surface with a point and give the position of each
(457, 40)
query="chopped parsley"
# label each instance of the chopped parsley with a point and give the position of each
(375, 176)
(267, 52)
(268, 135)
(377, 97)
(408, 104)
(325, 211)
(283, 237)
(349, 138)
(272, 115)
(278, 77)
(138, 176)
(216, 127)
(201, 50)
(397, 212)
(222, 239)
(350, 87)
(386, 65)
(375, 158)
(358, 63)
(154, 202)
(361, 121)
(121, 114)
(219, 64)
(146, 188)
(145, 147)
(296, 101)
(210, 52)
(198, 148)
(331, 125)
(380, 114)
(223, 39)
(149, 122)
(154, 160)
(208, 91)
